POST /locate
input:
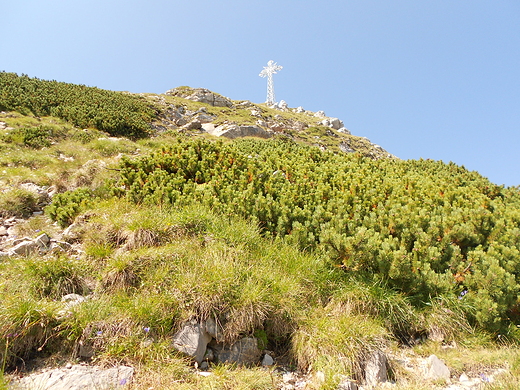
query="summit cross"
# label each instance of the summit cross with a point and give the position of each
(268, 71)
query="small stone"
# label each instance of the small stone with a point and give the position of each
(320, 376)
(43, 240)
(204, 366)
(267, 360)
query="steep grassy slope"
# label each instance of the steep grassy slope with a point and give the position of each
(324, 256)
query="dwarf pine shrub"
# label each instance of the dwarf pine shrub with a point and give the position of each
(66, 206)
(425, 228)
(117, 113)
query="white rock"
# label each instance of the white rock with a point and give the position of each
(235, 131)
(76, 377)
(436, 369)
(375, 368)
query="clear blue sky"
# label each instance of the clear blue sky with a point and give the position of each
(435, 79)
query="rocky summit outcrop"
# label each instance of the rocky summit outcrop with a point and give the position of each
(233, 131)
(201, 95)
(237, 119)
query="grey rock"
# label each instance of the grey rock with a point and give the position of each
(344, 130)
(235, 131)
(25, 248)
(194, 124)
(192, 339)
(375, 368)
(84, 350)
(202, 95)
(267, 360)
(436, 369)
(203, 118)
(335, 123)
(43, 240)
(181, 121)
(347, 384)
(76, 377)
(3, 231)
(244, 351)
(282, 105)
(320, 114)
(214, 329)
(299, 110)
(299, 126)
(345, 147)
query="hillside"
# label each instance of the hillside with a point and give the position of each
(174, 232)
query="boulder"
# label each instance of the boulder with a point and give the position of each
(375, 368)
(320, 114)
(25, 248)
(192, 339)
(194, 124)
(244, 351)
(436, 369)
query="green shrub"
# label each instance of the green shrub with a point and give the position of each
(117, 113)
(425, 228)
(66, 206)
